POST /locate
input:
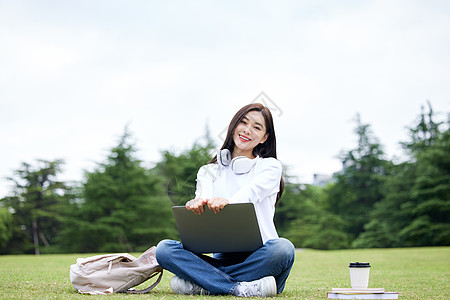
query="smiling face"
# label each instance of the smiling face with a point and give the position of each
(249, 133)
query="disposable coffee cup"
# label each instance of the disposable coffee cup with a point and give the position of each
(359, 275)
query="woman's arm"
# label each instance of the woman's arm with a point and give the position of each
(204, 190)
(206, 176)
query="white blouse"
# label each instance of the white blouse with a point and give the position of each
(259, 186)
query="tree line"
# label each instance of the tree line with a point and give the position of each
(121, 206)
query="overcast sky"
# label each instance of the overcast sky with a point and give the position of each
(73, 74)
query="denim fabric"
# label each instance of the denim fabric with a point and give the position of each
(221, 273)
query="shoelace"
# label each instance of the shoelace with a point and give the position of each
(248, 290)
(197, 290)
(204, 292)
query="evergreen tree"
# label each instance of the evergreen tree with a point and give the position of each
(302, 218)
(429, 206)
(5, 228)
(416, 208)
(424, 134)
(390, 214)
(180, 170)
(290, 208)
(36, 204)
(360, 185)
(124, 207)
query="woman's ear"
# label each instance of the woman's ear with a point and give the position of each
(264, 139)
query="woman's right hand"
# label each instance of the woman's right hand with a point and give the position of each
(196, 205)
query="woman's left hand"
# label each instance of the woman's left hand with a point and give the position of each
(217, 204)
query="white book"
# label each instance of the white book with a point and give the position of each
(358, 291)
(385, 295)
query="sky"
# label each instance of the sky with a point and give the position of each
(74, 74)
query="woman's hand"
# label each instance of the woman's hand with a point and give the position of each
(217, 204)
(196, 205)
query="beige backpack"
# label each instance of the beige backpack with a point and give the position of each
(113, 273)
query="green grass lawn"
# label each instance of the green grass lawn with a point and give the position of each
(416, 273)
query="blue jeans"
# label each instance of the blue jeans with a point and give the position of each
(221, 273)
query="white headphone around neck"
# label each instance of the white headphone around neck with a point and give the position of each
(239, 164)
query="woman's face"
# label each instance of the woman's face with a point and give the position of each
(250, 132)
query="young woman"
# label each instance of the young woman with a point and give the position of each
(246, 169)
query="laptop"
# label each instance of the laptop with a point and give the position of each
(234, 229)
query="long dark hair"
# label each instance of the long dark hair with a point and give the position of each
(264, 150)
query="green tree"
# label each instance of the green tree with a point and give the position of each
(6, 229)
(360, 185)
(424, 134)
(416, 207)
(429, 206)
(123, 207)
(36, 204)
(302, 218)
(390, 215)
(290, 205)
(180, 170)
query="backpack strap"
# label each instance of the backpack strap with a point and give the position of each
(132, 291)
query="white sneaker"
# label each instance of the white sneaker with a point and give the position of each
(264, 287)
(184, 287)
